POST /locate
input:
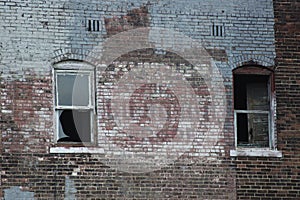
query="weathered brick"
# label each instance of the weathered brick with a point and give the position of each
(36, 36)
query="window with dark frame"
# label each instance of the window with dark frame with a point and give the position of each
(252, 107)
(74, 105)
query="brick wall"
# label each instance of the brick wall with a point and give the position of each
(287, 49)
(38, 36)
(279, 178)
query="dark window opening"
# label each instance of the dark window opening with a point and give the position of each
(252, 109)
(89, 25)
(74, 126)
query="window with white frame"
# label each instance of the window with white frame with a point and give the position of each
(74, 105)
(253, 116)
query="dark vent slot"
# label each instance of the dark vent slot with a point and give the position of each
(217, 30)
(93, 25)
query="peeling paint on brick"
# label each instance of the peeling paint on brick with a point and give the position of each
(138, 17)
(27, 109)
(70, 190)
(35, 34)
(14, 193)
(218, 54)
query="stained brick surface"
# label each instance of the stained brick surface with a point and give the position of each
(37, 36)
(279, 178)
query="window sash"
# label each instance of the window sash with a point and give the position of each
(91, 124)
(90, 88)
(90, 107)
(270, 131)
(74, 107)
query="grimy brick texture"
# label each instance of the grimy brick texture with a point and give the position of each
(279, 178)
(38, 36)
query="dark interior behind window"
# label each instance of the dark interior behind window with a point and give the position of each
(252, 105)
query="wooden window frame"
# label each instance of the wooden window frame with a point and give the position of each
(90, 107)
(258, 70)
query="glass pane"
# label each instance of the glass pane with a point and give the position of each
(257, 96)
(73, 89)
(74, 126)
(251, 92)
(253, 130)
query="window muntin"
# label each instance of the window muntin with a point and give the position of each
(74, 105)
(252, 110)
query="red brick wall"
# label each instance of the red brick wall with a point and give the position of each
(272, 178)
(287, 30)
(204, 172)
(26, 119)
(27, 133)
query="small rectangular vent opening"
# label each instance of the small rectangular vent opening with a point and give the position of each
(93, 25)
(217, 30)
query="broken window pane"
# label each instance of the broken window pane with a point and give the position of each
(73, 89)
(253, 129)
(257, 96)
(74, 126)
(251, 92)
(74, 105)
(252, 105)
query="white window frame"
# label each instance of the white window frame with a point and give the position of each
(270, 151)
(90, 106)
(270, 129)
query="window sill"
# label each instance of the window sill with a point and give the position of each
(255, 152)
(91, 150)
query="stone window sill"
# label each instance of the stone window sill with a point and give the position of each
(255, 152)
(77, 150)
